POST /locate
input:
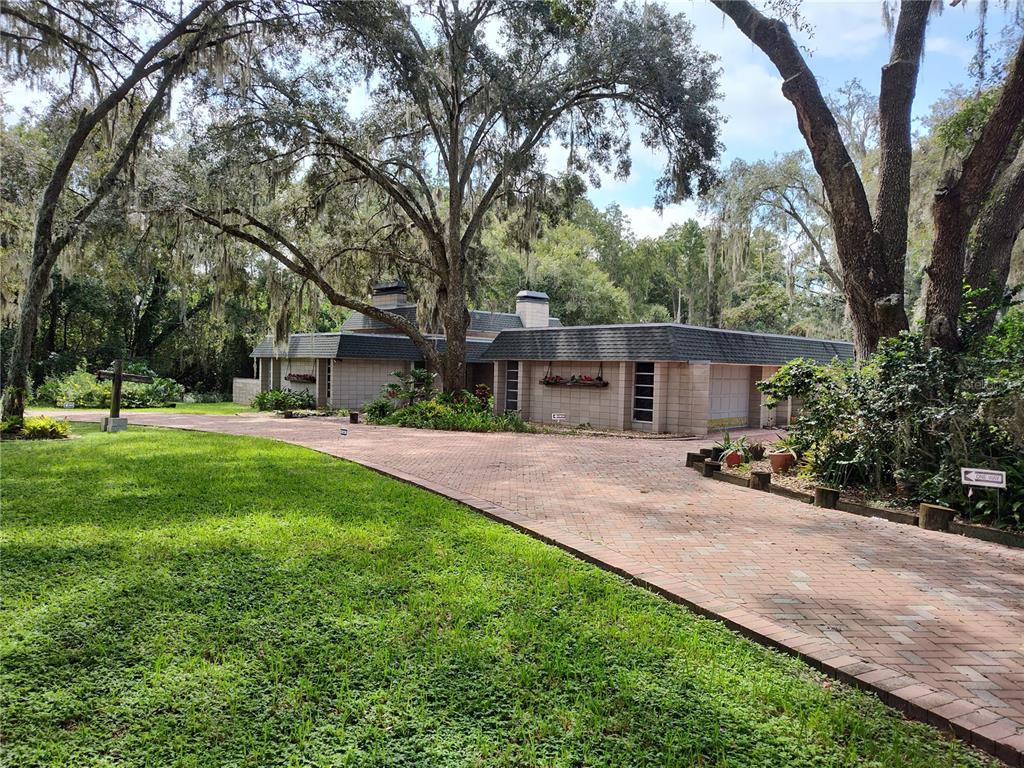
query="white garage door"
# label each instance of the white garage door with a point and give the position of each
(730, 391)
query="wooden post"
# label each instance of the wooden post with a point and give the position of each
(933, 517)
(826, 498)
(115, 390)
(760, 480)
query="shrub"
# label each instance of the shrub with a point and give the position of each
(206, 397)
(86, 391)
(37, 428)
(284, 400)
(915, 415)
(458, 413)
(378, 410)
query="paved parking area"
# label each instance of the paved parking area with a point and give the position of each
(933, 622)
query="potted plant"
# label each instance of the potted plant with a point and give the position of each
(757, 451)
(782, 455)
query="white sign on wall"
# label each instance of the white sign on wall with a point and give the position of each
(558, 417)
(985, 478)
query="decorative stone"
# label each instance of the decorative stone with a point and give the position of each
(115, 423)
(932, 517)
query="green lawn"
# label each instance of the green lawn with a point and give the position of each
(203, 408)
(181, 599)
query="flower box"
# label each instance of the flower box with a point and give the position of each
(301, 378)
(573, 381)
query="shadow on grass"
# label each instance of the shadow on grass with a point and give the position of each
(206, 600)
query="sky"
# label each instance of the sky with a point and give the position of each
(849, 41)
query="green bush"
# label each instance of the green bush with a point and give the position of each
(86, 391)
(378, 410)
(36, 428)
(458, 413)
(913, 415)
(284, 400)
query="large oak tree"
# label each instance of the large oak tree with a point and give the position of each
(465, 99)
(872, 241)
(114, 66)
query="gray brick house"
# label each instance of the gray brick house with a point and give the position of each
(657, 377)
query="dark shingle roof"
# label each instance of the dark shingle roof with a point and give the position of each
(660, 341)
(479, 320)
(360, 345)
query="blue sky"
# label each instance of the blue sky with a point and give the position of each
(849, 40)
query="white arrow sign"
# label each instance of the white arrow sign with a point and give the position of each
(985, 478)
(558, 417)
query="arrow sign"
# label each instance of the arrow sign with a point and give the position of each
(985, 478)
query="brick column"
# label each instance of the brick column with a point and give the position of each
(769, 417)
(526, 376)
(275, 372)
(264, 370)
(660, 397)
(321, 382)
(700, 397)
(498, 390)
(622, 381)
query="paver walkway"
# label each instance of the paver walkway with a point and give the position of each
(934, 622)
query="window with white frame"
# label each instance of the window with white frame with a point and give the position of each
(512, 386)
(643, 392)
(327, 379)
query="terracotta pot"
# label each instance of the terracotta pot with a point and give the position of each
(781, 461)
(733, 459)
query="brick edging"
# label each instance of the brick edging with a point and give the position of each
(977, 726)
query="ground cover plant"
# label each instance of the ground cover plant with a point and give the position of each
(188, 599)
(911, 416)
(284, 400)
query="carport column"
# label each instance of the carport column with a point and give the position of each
(700, 396)
(275, 372)
(661, 397)
(782, 412)
(321, 382)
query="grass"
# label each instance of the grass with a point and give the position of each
(226, 409)
(184, 599)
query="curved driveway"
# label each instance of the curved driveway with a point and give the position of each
(933, 622)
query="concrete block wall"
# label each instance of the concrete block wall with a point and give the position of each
(599, 407)
(296, 365)
(244, 390)
(356, 382)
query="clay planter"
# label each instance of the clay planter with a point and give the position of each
(760, 480)
(781, 461)
(710, 467)
(733, 459)
(353, 417)
(826, 498)
(932, 517)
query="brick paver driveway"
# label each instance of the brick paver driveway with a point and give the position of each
(933, 621)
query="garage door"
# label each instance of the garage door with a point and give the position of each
(730, 389)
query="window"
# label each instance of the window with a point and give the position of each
(512, 386)
(643, 392)
(327, 379)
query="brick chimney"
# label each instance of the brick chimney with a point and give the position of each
(389, 295)
(532, 308)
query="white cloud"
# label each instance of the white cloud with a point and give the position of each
(947, 46)
(646, 222)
